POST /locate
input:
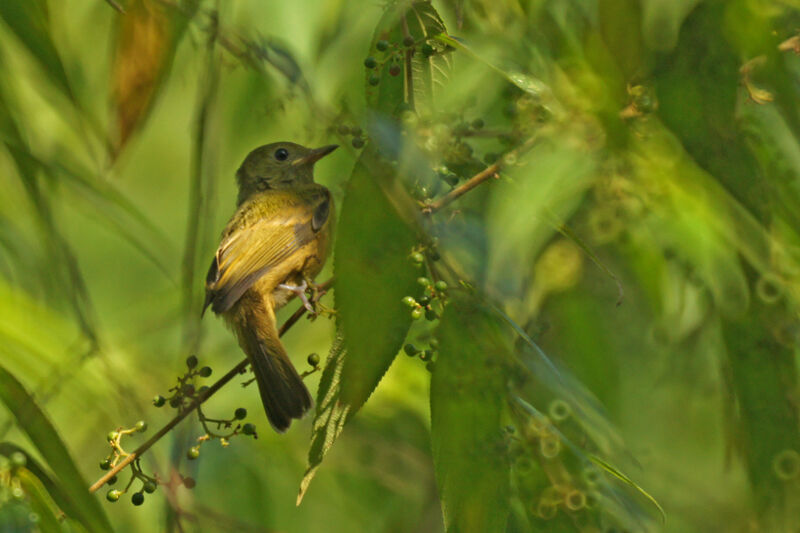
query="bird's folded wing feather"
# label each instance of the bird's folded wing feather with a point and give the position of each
(248, 253)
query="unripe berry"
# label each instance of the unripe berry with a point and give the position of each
(189, 482)
(112, 436)
(423, 281)
(370, 62)
(105, 465)
(159, 400)
(240, 413)
(430, 314)
(410, 301)
(249, 429)
(111, 480)
(440, 285)
(410, 350)
(408, 41)
(205, 371)
(141, 426)
(191, 361)
(193, 453)
(357, 142)
(137, 498)
(149, 487)
(418, 258)
(416, 314)
(424, 300)
(374, 80)
(313, 359)
(356, 130)
(343, 130)
(382, 45)
(394, 70)
(427, 50)
(113, 495)
(477, 123)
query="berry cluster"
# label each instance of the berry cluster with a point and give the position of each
(149, 483)
(184, 393)
(356, 132)
(392, 54)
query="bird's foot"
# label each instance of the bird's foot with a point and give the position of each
(300, 291)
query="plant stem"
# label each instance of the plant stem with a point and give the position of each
(238, 369)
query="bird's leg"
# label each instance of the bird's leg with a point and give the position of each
(300, 291)
(316, 296)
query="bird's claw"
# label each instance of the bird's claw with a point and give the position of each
(300, 291)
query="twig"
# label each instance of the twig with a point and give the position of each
(116, 6)
(238, 369)
(477, 179)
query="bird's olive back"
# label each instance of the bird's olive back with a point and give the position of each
(274, 166)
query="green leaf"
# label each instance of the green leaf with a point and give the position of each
(330, 416)
(420, 74)
(40, 501)
(468, 399)
(35, 424)
(373, 273)
(30, 22)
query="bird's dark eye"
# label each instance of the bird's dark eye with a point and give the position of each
(281, 154)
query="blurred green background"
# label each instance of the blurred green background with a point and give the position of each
(648, 241)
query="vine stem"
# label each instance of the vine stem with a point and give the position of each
(233, 372)
(489, 172)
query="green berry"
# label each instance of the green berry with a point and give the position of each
(113, 495)
(193, 453)
(416, 314)
(427, 50)
(410, 350)
(111, 480)
(357, 142)
(374, 80)
(440, 285)
(137, 498)
(410, 301)
(370, 62)
(408, 41)
(249, 429)
(205, 371)
(356, 130)
(313, 359)
(430, 314)
(112, 436)
(343, 130)
(240, 413)
(418, 257)
(18, 459)
(451, 179)
(159, 400)
(477, 124)
(382, 45)
(174, 402)
(424, 300)
(149, 487)
(434, 342)
(105, 465)
(191, 361)
(141, 426)
(189, 482)
(423, 281)
(394, 70)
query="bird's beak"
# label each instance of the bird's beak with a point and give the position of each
(315, 155)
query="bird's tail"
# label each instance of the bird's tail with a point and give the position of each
(283, 392)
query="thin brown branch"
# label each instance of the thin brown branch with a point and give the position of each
(238, 369)
(489, 172)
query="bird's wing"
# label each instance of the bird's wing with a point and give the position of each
(248, 253)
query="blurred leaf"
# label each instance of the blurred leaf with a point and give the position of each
(373, 273)
(29, 20)
(140, 59)
(34, 423)
(331, 413)
(55, 491)
(468, 399)
(40, 501)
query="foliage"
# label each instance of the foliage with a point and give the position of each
(578, 219)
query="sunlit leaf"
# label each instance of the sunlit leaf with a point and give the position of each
(468, 399)
(330, 416)
(35, 424)
(628, 481)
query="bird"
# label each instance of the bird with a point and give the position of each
(274, 245)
